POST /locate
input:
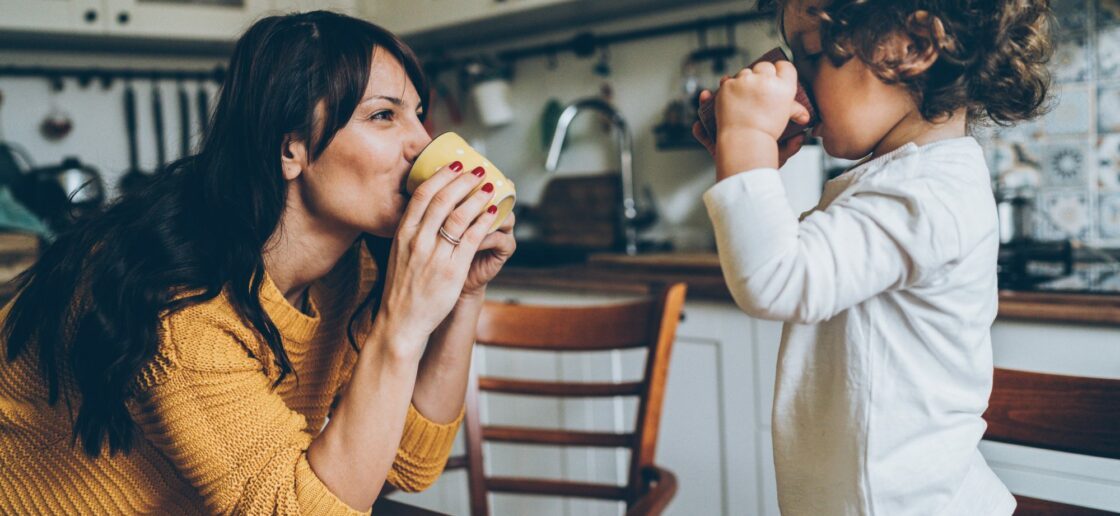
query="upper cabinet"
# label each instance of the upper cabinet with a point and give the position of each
(415, 16)
(211, 20)
(204, 20)
(73, 16)
(428, 24)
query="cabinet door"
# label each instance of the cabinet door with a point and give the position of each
(82, 16)
(711, 417)
(217, 20)
(412, 16)
(1057, 349)
(341, 6)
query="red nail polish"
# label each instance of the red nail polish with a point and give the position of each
(479, 171)
(456, 166)
(492, 209)
(488, 187)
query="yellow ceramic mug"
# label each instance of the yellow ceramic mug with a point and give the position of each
(450, 147)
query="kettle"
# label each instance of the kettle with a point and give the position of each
(61, 193)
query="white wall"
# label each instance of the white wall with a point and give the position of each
(98, 136)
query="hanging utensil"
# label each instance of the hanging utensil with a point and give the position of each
(203, 110)
(184, 121)
(157, 125)
(57, 124)
(133, 178)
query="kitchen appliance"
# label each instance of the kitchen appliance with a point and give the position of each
(62, 193)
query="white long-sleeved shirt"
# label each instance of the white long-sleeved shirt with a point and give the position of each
(888, 291)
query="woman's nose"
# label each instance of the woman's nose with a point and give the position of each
(418, 139)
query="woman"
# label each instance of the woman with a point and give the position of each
(194, 336)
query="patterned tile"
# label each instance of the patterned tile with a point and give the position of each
(1108, 109)
(1108, 53)
(1109, 210)
(1061, 214)
(1072, 14)
(1108, 162)
(1067, 163)
(1071, 62)
(1071, 111)
(1015, 165)
(1108, 12)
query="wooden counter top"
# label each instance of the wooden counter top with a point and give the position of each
(621, 273)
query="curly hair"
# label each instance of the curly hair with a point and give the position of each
(992, 55)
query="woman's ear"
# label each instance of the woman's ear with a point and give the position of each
(293, 157)
(922, 44)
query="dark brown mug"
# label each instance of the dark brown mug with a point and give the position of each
(707, 111)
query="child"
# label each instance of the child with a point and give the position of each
(888, 287)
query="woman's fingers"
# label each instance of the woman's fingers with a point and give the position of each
(463, 215)
(446, 199)
(476, 233)
(426, 192)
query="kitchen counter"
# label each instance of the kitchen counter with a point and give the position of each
(621, 273)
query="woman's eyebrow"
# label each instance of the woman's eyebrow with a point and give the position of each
(395, 100)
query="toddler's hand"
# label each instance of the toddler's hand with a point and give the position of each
(752, 110)
(786, 149)
(760, 98)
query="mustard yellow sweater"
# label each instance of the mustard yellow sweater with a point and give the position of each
(217, 438)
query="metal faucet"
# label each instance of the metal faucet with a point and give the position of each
(631, 219)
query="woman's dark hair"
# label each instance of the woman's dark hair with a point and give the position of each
(992, 54)
(92, 303)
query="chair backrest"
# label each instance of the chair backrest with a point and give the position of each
(649, 323)
(1064, 413)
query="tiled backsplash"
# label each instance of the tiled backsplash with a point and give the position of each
(1070, 158)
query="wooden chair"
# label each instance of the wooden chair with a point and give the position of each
(1064, 413)
(648, 323)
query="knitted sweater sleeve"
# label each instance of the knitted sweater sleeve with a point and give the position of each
(209, 407)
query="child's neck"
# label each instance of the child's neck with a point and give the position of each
(912, 128)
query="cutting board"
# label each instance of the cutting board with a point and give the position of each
(581, 211)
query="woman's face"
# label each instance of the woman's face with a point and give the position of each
(856, 108)
(356, 184)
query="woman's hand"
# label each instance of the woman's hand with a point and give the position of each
(496, 248)
(427, 270)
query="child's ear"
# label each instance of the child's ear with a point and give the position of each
(920, 45)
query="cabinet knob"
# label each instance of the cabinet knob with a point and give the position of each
(90, 16)
(683, 316)
(122, 18)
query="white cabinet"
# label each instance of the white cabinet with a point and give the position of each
(1074, 350)
(210, 21)
(411, 16)
(173, 19)
(75, 16)
(342, 6)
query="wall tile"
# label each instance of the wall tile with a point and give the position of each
(1108, 12)
(1071, 113)
(1108, 53)
(1108, 209)
(1062, 214)
(1071, 14)
(1066, 163)
(1071, 61)
(1108, 162)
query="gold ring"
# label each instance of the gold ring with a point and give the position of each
(449, 238)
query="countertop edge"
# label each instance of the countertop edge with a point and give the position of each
(707, 284)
